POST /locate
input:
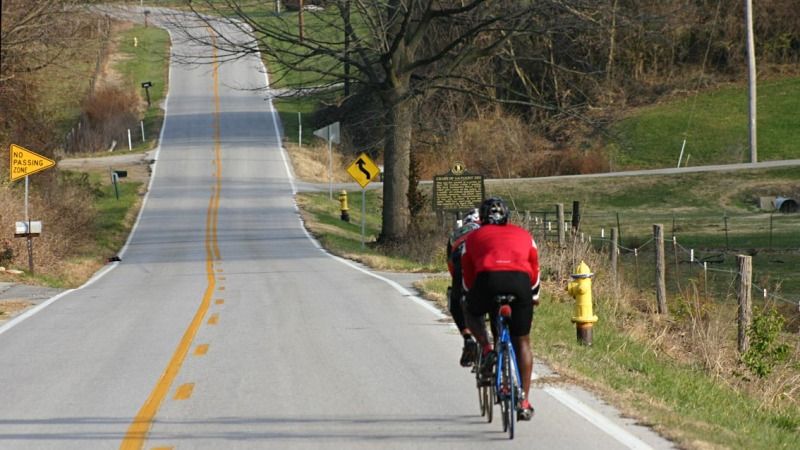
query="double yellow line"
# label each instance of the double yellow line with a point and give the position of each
(140, 427)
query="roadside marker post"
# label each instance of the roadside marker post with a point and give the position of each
(24, 162)
(363, 170)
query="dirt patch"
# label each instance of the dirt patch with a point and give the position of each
(11, 307)
(136, 164)
(107, 75)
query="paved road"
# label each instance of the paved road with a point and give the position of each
(226, 326)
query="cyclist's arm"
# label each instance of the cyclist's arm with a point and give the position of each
(533, 258)
(467, 269)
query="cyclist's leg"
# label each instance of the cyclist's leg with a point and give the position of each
(475, 307)
(521, 319)
(522, 348)
(454, 302)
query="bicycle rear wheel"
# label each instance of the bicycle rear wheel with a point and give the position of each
(489, 402)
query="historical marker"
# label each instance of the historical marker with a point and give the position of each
(457, 190)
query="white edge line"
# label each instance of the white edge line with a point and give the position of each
(108, 268)
(597, 419)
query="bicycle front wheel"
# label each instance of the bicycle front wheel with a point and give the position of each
(509, 382)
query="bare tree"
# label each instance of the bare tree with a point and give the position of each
(385, 47)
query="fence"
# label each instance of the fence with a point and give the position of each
(707, 253)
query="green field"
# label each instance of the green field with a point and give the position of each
(147, 61)
(715, 126)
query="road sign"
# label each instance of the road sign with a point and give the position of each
(363, 170)
(330, 133)
(25, 162)
(457, 190)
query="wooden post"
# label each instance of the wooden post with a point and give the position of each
(745, 264)
(576, 217)
(560, 215)
(661, 291)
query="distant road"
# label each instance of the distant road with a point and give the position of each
(672, 171)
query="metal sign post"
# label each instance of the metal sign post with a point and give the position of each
(23, 163)
(331, 133)
(363, 170)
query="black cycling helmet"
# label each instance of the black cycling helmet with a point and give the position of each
(493, 210)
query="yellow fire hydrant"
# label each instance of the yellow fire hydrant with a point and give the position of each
(581, 290)
(343, 206)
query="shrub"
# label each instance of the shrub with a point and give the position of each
(107, 115)
(765, 351)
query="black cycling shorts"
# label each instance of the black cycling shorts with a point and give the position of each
(480, 299)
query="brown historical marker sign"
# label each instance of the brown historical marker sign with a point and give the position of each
(457, 190)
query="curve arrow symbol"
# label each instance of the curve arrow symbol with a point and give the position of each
(360, 163)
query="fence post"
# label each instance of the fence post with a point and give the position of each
(613, 254)
(745, 264)
(576, 217)
(661, 291)
(560, 214)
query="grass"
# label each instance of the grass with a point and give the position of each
(715, 125)
(295, 112)
(322, 218)
(147, 61)
(679, 399)
(114, 215)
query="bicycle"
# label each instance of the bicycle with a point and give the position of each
(506, 386)
(486, 393)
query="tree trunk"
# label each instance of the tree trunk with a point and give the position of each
(397, 160)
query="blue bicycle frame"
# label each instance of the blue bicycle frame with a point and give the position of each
(506, 395)
(504, 345)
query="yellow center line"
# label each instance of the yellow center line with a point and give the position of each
(140, 427)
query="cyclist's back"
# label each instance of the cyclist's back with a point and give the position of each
(501, 258)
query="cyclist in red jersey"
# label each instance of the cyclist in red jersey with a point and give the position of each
(469, 223)
(502, 258)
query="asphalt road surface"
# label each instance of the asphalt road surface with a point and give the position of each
(226, 327)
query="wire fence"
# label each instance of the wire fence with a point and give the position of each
(699, 249)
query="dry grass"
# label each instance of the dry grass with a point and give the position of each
(310, 163)
(699, 331)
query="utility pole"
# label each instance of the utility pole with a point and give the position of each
(751, 64)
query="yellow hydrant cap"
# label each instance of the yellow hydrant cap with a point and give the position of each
(583, 271)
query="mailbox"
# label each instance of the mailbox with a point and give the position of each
(24, 229)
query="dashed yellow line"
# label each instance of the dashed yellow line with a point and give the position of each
(220, 301)
(214, 319)
(184, 391)
(201, 349)
(140, 427)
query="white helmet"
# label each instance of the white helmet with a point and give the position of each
(473, 216)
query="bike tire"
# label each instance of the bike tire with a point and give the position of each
(489, 402)
(481, 400)
(503, 393)
(511, 410)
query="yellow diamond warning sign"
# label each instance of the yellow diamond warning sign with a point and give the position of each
(25, 162)
(363, 170)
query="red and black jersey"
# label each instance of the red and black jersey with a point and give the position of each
(499, 248)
